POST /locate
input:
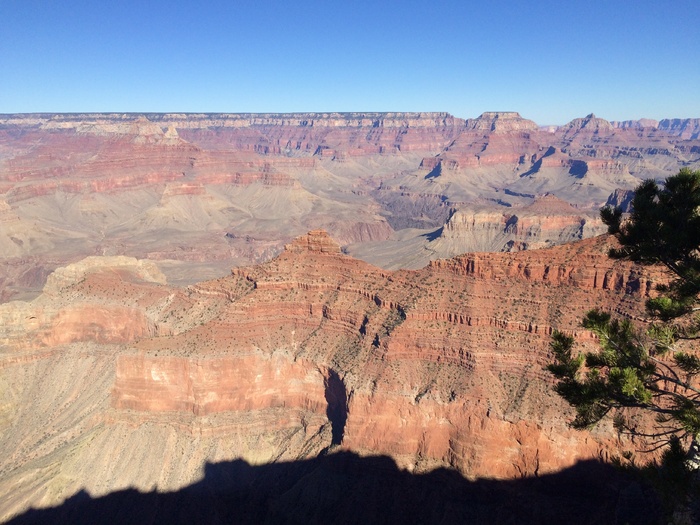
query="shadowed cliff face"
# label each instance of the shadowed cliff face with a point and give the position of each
(337, 411)
(344, 488)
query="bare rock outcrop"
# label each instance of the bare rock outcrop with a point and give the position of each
(621, 199)
(315, 241)
(688, 128)
(548, 221)
(69, 275)
(91, 300)
(501, 121)
(170, 187)
(312, 351)
(589, 123)
(636, 124)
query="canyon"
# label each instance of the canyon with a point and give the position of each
(199, 193)
(114, 380)
(180, 291)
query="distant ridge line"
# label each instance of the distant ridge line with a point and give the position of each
(688, 128)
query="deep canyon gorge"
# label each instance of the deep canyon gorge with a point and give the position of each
(183, 290)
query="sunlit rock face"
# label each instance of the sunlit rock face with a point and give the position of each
(548, 221)
(113, 379)
(199, 193)
(127, 360)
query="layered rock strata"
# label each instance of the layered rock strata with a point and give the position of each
(549, 221)
(201, 192)
(311, 352)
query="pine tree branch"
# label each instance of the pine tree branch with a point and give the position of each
(665, 365)
(660, 392)
(678, 382)
(688, 337)
(628, 403)
(677, 270)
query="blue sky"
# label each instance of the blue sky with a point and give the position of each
(552, 61)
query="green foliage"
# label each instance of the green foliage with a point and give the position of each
(645, 368)
(621, 374)
(664, 228)
(565, 366)
(689, 363)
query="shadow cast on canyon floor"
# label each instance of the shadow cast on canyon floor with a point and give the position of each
(343, 487)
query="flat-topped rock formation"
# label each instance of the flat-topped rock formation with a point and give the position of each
(548, 221)
(205, 120)
(500, 122)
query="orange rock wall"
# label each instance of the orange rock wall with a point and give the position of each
(243, 383)
(434, 367)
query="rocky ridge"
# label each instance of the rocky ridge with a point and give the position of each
(199, 192)
(312, 351)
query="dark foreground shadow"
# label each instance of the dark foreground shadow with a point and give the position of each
(344, 488)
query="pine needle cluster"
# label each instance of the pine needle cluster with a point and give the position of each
(655, 369)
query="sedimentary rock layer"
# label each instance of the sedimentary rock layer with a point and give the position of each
(311, 352)
(201, 192)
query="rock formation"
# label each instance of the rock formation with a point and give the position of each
(548, 221)
(112, 379)
(688, 128)
(200, 192)
(128, 362)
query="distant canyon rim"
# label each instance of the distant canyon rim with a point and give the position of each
(199, 193)
(178, 289)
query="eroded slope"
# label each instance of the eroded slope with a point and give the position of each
(111, 379)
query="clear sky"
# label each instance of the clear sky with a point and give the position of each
(552, 61)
